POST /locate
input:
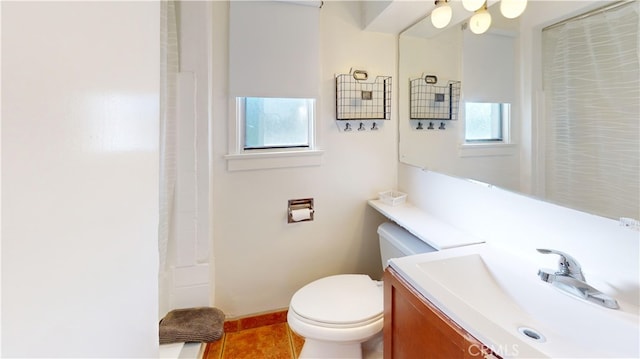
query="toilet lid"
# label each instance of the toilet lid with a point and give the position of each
(339, 299)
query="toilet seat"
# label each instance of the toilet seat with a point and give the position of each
(339, 301)
(342, 316)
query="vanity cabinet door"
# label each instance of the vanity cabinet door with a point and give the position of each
(414, 328)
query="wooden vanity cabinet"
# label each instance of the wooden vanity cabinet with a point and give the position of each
(415, 329)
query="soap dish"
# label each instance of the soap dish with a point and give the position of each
(392, 198)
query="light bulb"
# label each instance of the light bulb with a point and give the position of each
(441, 15)
(472, 5)
(511, 9)
(480, 21)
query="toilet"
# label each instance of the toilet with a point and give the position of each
(340, 315)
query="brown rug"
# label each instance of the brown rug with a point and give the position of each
(203, 324)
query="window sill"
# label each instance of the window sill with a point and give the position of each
(269, 160)
(487, 149)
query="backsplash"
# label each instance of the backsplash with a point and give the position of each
(608, 252)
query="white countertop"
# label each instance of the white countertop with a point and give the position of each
(436, 233)
(492, 293)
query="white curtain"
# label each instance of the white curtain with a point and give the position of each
(274, 49)
(592, 118)
(488, 76)
(168, 131)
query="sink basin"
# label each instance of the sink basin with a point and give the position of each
(500, 300)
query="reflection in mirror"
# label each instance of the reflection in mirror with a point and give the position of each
(488, 77)
(569, 141)
(430, 100)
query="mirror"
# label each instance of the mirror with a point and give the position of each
(505, 61)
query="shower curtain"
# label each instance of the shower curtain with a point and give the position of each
(168, 131)
(592, 119)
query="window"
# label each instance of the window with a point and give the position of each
(276, 122)
(486, 122)
(272, 132)
(591, 132)
(274, 79)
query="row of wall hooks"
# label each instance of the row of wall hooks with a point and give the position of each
(361, 127)
(430, 126)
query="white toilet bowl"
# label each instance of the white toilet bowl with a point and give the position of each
(336, 315)
(341, 316)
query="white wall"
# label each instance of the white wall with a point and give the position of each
(80, 179)
(260, 260)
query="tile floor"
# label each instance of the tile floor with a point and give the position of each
(261, 337)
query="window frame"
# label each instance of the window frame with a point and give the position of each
(242, 120)
(504, 120)
(240, 159)
(495, 147)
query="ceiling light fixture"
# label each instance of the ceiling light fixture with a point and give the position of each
(480, 21)
(511, 9)
(441, 15)
(472, 5)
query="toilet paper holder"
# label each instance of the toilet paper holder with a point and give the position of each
(300, 205)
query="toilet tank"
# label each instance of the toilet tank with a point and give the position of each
(396, 241)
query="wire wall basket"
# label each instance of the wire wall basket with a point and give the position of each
(432, 102)
(357, 99)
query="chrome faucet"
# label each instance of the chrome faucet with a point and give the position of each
(570, 279)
